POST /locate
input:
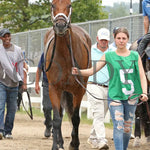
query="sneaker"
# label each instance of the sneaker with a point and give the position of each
(148, 139)
(92, 142)
(136, 142)
(132, 136)
(1, 135)
(103, 145)
(47, 132)
(8, 136)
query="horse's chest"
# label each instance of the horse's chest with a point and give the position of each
(60, 73)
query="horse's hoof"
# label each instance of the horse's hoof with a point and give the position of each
(72, 148)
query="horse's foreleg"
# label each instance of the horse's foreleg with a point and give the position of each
(74, 145)
(60, 138)
(57, 136)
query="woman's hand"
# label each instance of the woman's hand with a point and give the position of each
(75, 71)
(144, 97)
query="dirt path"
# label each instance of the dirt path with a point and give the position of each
(28, 135)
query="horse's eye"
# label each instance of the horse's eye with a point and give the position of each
(52, 6)
(69, 6)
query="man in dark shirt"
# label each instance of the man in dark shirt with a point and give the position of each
(47, 106)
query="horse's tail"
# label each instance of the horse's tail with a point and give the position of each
(67, 103)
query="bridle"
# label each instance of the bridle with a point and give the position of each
(61, 16)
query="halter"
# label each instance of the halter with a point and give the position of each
(63, 16)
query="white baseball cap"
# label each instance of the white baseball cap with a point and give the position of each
(103, 34)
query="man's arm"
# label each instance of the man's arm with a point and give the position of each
(25, 72)
(37, 79)
(146, 24)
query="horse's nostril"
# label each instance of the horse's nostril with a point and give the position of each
(60, 25)
(57, 25)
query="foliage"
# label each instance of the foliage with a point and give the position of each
(20, 15)
(86, 10)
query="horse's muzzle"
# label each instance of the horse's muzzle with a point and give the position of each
(60, 27)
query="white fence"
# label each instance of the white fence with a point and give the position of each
(31, 85)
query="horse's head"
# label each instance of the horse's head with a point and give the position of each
(134, 45)
(60, 15)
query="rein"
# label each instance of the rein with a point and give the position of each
(30, 106)
(70, 50)
(97, 98)
(53, 52)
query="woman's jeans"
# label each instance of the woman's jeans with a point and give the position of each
(122, 113)
(8, 95)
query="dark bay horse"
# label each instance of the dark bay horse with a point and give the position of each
(142, 114)
(66, 46)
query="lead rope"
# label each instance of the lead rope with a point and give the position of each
(73, 64)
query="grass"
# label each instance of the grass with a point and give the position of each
(83, 119)
(35, 111)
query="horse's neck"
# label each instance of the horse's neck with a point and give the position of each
(63, 40)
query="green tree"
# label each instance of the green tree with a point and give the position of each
(20, 15)
(86, 10)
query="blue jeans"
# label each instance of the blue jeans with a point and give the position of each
(7, 95)
(122, 113)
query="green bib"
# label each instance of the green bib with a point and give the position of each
(124, 75)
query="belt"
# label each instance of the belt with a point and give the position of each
(103, 85)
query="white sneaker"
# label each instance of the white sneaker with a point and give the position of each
(136, 142)
(1, 135)
(132, 136)
(102, 145)
(93, 143)
(8, 136)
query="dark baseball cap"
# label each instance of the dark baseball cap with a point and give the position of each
(115, 29)
(4, 31)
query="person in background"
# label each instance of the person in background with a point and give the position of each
(11, 73)
(123, 66)
(47, 106)
(98, 85)
(146, 14)
(113, 45)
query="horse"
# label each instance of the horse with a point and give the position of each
(66, 46)
(142, 114)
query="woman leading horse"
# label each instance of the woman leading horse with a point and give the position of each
(66, 46)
